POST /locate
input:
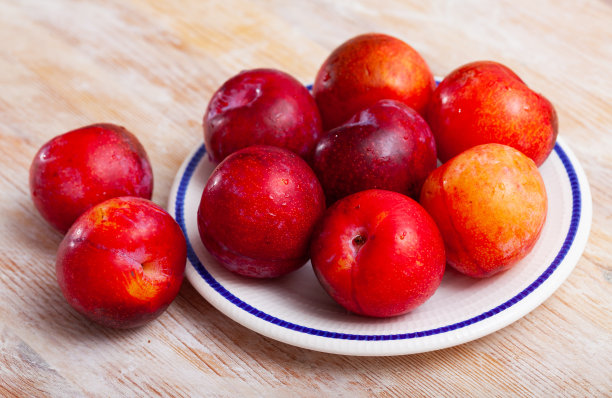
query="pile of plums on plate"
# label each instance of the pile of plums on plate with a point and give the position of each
(348, 176)
(122, 259)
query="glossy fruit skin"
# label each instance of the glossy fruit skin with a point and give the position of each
(261, 107)
(490, 204)
(483, 102)
(81, 168)
(378, 253)
(258, 210)
(385, 146)
(122, 262)
(368, 68)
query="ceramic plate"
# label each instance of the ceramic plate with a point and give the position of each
(296, 310)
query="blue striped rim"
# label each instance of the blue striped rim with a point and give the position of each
(193, 258)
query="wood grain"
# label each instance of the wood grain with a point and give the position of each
(152, 67)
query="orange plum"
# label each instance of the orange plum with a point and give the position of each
(368, 68)
(490, 204)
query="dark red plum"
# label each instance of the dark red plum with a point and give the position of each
(265, 107)
(258, 210)
(385, 146)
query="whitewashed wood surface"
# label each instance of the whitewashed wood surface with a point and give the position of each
(152, 67)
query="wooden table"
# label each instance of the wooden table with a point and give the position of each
(152, 67)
